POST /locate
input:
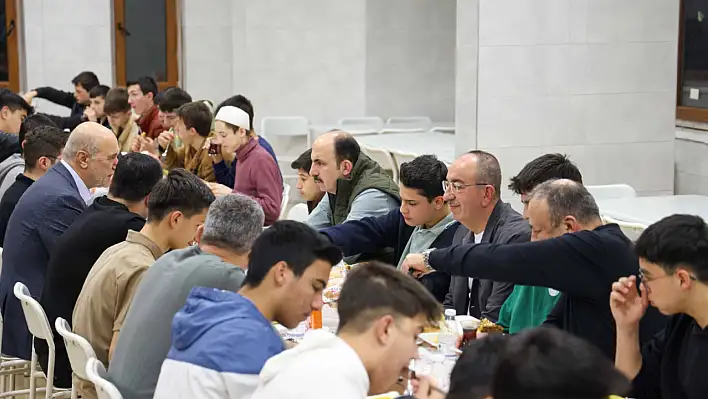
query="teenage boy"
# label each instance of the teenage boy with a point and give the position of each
(422, 221)
(94, 112)
(13, 111)
(176, 207)
(306, 184)
(77, 101)
(221, 339)
(142, 94)
(120, 118)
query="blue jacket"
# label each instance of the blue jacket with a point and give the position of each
(226, 175)
(44, 212)
(371, 234)
(220, 342)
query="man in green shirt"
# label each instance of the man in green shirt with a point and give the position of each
(528, 306)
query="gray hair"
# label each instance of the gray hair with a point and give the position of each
(233, 223)
(488, 170)
(567, 198)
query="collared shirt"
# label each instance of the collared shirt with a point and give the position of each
(423, 238)
(83, 190)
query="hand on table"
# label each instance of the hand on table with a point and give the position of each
(219, 189)
(626, 304)
(415, 264)
(426, 388)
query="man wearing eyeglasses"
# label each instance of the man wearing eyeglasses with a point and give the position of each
(472, 193)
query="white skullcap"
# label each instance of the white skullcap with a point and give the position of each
(233, 115)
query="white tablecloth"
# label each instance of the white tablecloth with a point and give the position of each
(648, 210)
(440, 144)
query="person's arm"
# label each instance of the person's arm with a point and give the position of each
(564, 263)
(174, 157)
(59, 97)
(206, 171)
(63, 214)
(221, 173)
(366, 235)
(370, 202)
(321, 216)
(9, 144)
(10, 178)
(448, 303)
(126, 285)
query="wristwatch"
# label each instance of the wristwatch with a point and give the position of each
(426, 258)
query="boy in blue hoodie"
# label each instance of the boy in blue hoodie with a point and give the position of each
(221, 339)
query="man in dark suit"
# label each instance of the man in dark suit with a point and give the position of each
(472, 192)
(44, 212)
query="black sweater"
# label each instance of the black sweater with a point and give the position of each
(102, 225)
(66, 99)
(582, 266)
(675, 363)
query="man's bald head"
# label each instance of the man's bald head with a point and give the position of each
(566, 197)
(487, 167)
(92, 151)
(87, 137)
(344, 145)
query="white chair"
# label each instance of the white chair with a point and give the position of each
(96, 373)
(298, 213)
(38, 326)
(402, 157)
(285, 200)
(631, 230)
(612, 191)
(407, 124)
(289, 136)
(78, 349)
(361, 125)
(384, 159)
(9, 368)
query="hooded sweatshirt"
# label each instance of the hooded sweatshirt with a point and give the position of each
(322, 366)
(220, 341)
(9, 169)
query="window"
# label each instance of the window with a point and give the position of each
(146, 40)
(692, 93)
(9, 61)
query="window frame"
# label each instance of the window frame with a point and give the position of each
(172, 59)
(13, 50)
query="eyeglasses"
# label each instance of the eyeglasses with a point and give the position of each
(456, 187)
(643, 279)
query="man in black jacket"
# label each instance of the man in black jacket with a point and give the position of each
(103, 224)
(422, 221)
(77, 101)
(581, 265)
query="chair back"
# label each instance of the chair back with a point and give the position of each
(384, 159)
(293, 126)
(298, 213)
(361, 125)
(284, 202)
(77, 347)
(612, 191)
(407, 124)
(96, 373)
(35, 317)
(402, 157)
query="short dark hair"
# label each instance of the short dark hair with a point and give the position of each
(425, 174)
(294, 243)
(33, 121)
(116, 100)
(346, 148)
(196, 115)
(566, 197)
(675, 241)
(543, 168)
(239, 101)
(43, 141)
(99, 91)
(374, 289)
(147, 85)
(14, 101)
(172, 98)
(304, 161)
(474, 371)
(87, 79)
(135, 176)
(179, 191)
(488, 170)
(548, 363)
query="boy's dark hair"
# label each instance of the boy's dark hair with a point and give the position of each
(346, 148)
(179, 191)
(544, 168)
(14, 101)
(172, 98)
(294, 243)
(548, 363)
(147, 85)
(87, 79)
(116, 100)
(472, 376)
(196, 115)
(135, 176)
(43, 141)
(374, 289)
(676, 241)
(425, 174)
(304, 161)
(33, 121)
(99, 91)
(241, 102)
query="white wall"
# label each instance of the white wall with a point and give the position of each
(594, 79)
(63, 38)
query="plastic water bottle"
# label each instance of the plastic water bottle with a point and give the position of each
(448, 336)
